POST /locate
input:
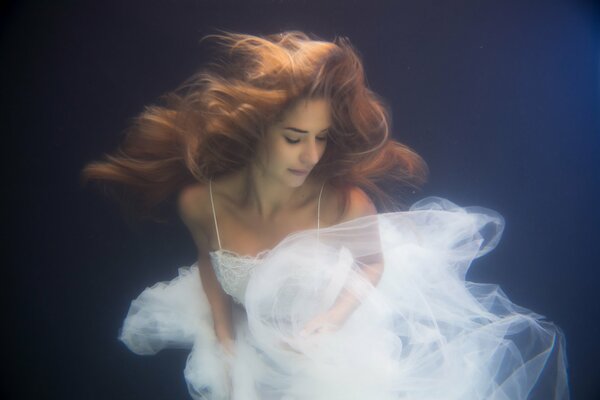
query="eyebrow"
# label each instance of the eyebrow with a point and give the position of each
(291, 128)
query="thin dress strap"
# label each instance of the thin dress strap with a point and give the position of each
(319, 210)
(212, 203)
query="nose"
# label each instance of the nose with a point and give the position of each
(310, 154)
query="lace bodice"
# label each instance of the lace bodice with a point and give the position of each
(233, 270)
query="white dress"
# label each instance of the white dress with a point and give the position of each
(422, 332)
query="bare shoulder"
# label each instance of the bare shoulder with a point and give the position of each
(192, 204)
(195, 208)
(358, 205)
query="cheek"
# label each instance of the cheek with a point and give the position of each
(282, 154)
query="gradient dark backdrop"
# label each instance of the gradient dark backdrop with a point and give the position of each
(500, 98)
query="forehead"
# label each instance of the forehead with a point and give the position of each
(311, 112)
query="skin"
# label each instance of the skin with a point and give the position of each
(260, 204)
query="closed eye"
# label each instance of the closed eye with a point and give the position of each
(292, 141)
(295, 141)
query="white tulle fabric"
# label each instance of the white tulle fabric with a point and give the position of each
(422, 332)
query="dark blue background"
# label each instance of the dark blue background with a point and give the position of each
(500, 98)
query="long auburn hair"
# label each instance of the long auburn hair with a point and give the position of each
(213, 123)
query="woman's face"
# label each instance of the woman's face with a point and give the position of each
(296, 143)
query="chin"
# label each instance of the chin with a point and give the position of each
(295, 181)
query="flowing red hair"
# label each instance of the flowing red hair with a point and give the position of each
(213, 122)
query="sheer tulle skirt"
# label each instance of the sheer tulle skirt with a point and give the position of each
(418, 331)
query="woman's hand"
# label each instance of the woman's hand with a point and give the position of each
(323, 323)
(228, 346)
(286, 346)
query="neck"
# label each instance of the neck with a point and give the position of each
(270, 197)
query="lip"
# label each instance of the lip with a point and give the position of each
(298, 172)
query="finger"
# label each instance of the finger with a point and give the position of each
(307, 331)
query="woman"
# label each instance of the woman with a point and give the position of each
(279, 158)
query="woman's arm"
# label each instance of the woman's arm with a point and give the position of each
(220, 302)
(371, 269)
